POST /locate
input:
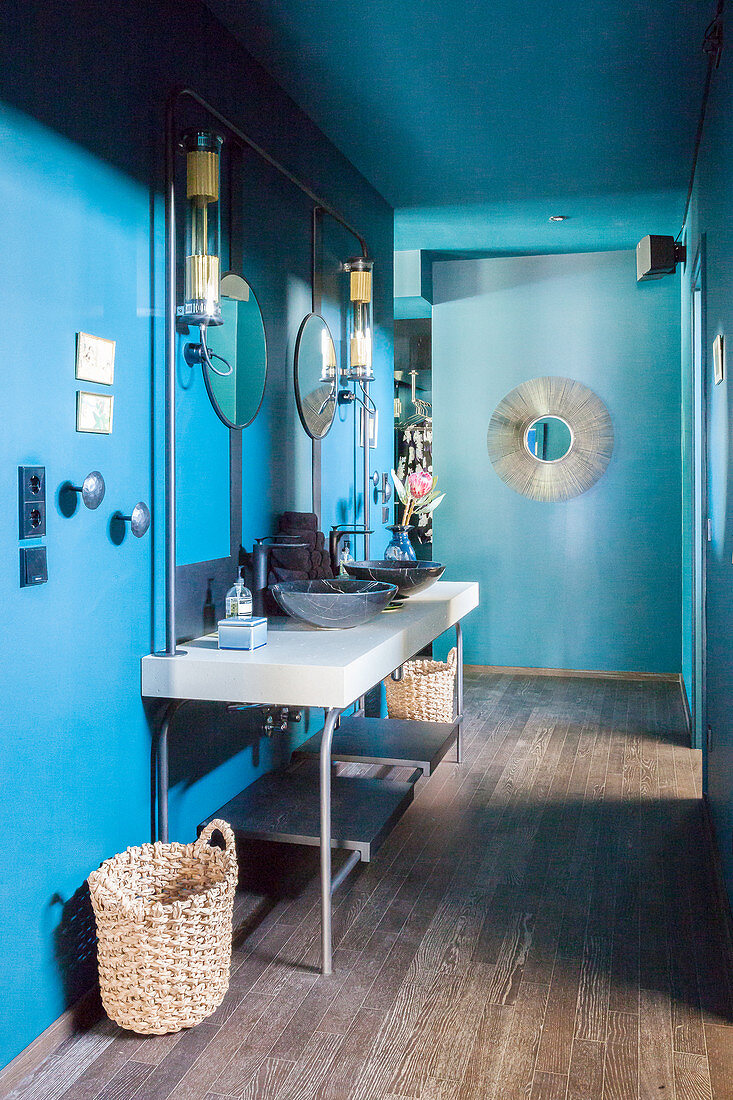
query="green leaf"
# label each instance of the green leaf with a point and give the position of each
(434, 503)
(401, 492)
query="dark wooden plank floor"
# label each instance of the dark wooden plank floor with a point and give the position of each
(542, 924)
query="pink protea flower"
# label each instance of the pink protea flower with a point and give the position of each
(420, 483)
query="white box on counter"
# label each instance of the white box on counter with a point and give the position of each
(241, 633)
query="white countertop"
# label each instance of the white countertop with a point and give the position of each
(306, 666)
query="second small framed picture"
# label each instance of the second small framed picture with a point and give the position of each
(719, 359)
(94, 412)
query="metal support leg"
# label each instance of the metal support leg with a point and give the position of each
(161, 768)
(354, 858)
(459, 693)
(332, 717)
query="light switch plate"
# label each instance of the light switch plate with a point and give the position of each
(33, 566)
(95, 359)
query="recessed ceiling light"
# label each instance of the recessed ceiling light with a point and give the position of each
(558, 217)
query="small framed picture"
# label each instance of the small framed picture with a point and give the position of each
(718, 359)
(94, 412)
(95, 359)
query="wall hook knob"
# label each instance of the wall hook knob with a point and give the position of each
(92, 489)
(139, 519)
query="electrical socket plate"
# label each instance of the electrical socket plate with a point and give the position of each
(31, 502)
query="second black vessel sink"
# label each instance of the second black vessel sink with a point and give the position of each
(409, 576)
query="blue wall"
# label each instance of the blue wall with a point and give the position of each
(711, 220)
(81, 121)
(594, 582)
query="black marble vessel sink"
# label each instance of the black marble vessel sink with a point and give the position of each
(336, 604)
(409, 576)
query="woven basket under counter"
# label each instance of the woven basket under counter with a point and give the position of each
(164, 930)
(426, 691)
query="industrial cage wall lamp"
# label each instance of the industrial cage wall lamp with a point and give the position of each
(201, 306)
(359, 368)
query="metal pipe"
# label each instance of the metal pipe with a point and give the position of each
(325, 771)
(161, 768)
(163, 781)
(367, 476)
(344, 871)
(170, 380)
(459, 693)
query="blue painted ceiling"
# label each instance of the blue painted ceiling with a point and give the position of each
(483, 117)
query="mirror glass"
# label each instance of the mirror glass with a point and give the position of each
(315, 376)
(240, 340)
(548, 438)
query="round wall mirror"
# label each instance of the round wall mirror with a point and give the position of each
(315, 376)
(241, 343)
(548, 438)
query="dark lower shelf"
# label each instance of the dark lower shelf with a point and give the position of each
(284, 806)
(390, 741)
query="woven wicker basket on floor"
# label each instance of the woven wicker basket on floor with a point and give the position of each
(425, 692)
(164, 926)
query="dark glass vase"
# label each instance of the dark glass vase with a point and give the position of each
(400, 548)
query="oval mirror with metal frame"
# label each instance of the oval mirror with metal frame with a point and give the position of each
(550, 439)
(239, 343)
(315, 376)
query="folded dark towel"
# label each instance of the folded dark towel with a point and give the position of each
(291, 559)
(279, 573)
(298, 520)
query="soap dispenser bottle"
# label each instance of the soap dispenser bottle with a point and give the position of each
(344, 557)
(239, 599)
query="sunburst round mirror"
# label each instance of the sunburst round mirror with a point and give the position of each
(550, 438)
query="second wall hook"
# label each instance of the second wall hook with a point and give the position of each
(139, 519)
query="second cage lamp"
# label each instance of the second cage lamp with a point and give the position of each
(360, 320)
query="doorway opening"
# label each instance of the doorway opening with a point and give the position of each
(413, 417)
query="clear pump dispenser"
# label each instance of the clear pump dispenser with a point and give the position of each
(345, 557)
(239, 599)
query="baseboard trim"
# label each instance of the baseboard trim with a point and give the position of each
(686, 707)
(512, 670)
(82, 1015)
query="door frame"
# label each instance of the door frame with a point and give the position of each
(699, 498)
